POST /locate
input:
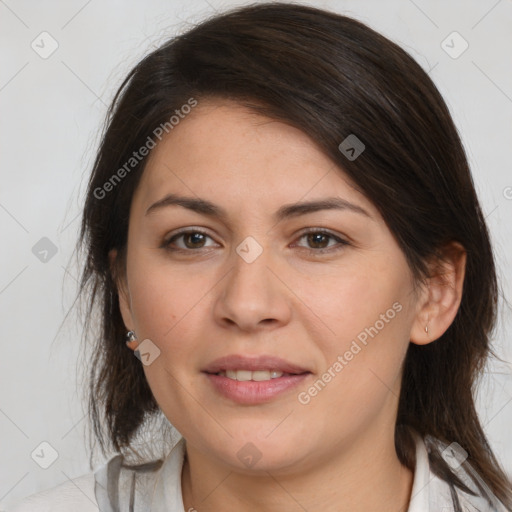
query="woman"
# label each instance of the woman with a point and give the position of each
(282, 223)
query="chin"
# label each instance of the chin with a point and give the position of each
(253, 455)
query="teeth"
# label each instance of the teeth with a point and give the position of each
(245, 375)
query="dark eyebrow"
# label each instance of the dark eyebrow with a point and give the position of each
(209, 209)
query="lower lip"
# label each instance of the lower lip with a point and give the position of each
(254, 392)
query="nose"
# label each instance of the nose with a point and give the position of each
(253, 296)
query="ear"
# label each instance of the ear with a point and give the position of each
(440, 297)
(122, 291)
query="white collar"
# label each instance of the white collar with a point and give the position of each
(429, 493)
(160, 491)
(167, 496)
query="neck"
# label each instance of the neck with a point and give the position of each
(366, 475)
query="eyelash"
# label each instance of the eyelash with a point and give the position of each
(341, 242)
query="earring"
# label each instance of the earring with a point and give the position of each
(426, 328)
(130, 336)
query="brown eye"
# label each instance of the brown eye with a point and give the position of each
(196, 240)
(192, 239)
(318, 241)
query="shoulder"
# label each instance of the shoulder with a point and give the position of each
(76, 495)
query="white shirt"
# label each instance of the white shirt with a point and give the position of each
(159, 490)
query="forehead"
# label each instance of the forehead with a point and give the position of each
(224, 151)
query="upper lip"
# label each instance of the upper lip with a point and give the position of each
(262, 362)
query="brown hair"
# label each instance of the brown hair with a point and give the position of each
(330, 76)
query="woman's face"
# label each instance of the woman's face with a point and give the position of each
(336, 306)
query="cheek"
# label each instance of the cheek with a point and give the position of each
(361, 379)
(368, 316)
(164, 296)
(167, 307)
(350, 300)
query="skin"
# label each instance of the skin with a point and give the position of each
(337, 452)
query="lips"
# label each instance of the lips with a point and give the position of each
(256, 363)
(258, 379)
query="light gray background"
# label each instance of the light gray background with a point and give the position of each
(51, 114)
